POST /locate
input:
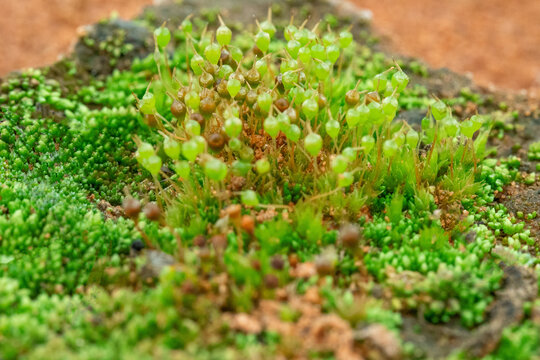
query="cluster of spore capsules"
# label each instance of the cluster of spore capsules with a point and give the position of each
(265, 113)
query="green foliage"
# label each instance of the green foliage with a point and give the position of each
(270, 157)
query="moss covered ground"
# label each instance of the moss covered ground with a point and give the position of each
(287, 193)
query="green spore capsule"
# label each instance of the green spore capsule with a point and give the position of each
(233, 127)
(376, 114)
(345, 179)
(264, 101)
(236, 53)
(390, 148)
(349, 153)
(212, 53)
(262, 166)
(235, 144)
(352, 117)
(289, 31)
(313, 144)
(147, 104)
(477, 122)
(379, 82)
(345, 39)
(187, 26)
(215, 169)
(152, 164)
(332, 128)
(323, 70)
(332, 53)
(261, 66)
(196, 64)
(293, 47)
(339, 164)
(467, 128)
(368, 143)
(268, 28)
(171, 148)
(223, 35)
(318, 52)
(390, 106)
(399, 81)
(412, 138)
(301, 36)
(193, 128)
(249, 198)
(450, 125)
(193, 100)
(262, 40)
(284, 122)
(293, 133)
(241, 167)
(439, 110)
(310, 108)
(163, 36)
(183, 169)
(304, 55)
(190, 150)
(233, 87)
(145, 150)
(271, 126)
(399, 138)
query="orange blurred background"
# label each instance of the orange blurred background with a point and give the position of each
(498, 41)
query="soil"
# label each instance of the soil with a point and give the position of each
(496, 40)
(444, 44)
(35, 33)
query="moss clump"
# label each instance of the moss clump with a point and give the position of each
(267, 178)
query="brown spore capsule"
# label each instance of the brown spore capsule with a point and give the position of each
(150, 120)
(152, 211)
(372, 96)
(281, 104)
(352, 97)
(349, 235)
(271, 281)
(207, 105)
(132, 207)
(198, 117)
(216, 141)
(178, 109)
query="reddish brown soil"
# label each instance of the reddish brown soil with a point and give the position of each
(36, 32)
(496, 40)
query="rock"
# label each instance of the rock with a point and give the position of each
(378, 342)
(156, 261)
(101, 61)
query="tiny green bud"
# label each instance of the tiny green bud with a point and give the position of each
(313, 144)
(262, 166)
(215, 169)
(249, 198)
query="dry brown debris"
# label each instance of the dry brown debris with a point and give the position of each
(312, 331)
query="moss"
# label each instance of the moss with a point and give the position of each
(422, 198)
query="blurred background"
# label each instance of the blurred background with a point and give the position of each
(497, 41)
